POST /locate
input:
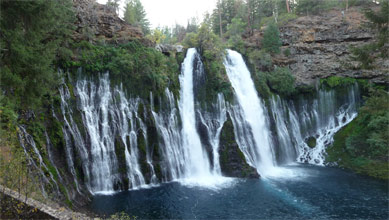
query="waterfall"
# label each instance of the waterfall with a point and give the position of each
(171, 148)
(109, 119)
(249, 117)
(287, 150)
(197, 163)
(319, 118)
(214, 123)
(32, 153)
(331, 115)
(106, 139)
(126, 112)
(184, 157)
(72, 137)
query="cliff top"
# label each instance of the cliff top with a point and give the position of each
(98, 22)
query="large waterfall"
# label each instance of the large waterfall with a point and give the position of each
(197, 163)
(116, 141)
(249, 118)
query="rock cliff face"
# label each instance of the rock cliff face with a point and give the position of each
(319, 47)
(97, 22)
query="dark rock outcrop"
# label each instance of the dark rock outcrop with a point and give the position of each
(232, 160)
(97, 22)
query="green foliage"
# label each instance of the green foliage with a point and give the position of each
(311, 7)
(260, 81)
(190, 40)
(122, 216)
(261, 60)
(282, 19)
(364, 55)
(281, 81)
(234, 33)
(380, 21)
(140, 69)
(212, 51)
(287, 52)
(337, 81)
(363, 144)
(32, 35)
(135, 14)
(271, 41)
(114, 4)
(226, 10)
(156, 36)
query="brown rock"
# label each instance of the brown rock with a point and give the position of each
(97, 22)
(319, 47)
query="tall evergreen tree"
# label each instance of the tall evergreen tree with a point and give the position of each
(135, 14)
(271, 39)
(114, 4)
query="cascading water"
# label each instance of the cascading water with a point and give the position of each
(106, 117)
(197, 163)
(32, 153)
(73, 137)
(214, 123)
(168, 128)
(287, 149)
(318, 119)
(108, 128)
(249, 120)
(126, 113)
(333, 115)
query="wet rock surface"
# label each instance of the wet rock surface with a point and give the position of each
(232, 160)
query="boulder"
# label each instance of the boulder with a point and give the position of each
(232, 160)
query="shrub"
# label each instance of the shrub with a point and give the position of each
(261, 60)
(281, 81)
(140, 69)
(271, 41)
(363, 144)
(337, 81)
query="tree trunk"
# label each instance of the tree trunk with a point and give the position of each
(220, 21)
(249, 17)
(287, 5)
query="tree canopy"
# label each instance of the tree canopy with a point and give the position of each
(33, 34)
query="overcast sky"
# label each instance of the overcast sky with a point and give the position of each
(170, 12)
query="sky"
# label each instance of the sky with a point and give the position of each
(169, 12)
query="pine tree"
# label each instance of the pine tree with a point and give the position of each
(135, 14)
(271, 39)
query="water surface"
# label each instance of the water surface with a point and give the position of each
(300, 192)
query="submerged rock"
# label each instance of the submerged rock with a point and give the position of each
(311, 142)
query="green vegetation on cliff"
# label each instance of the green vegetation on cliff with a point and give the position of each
(139, 68)
(33, 34)
(368, 54)
(212, 51)
(362, 145)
